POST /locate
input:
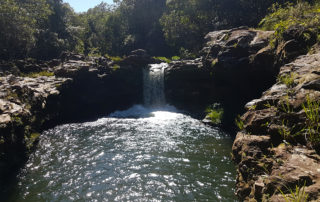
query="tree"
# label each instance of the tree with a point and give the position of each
(18, 24)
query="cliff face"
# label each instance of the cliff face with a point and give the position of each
(278, 148)
(235, 66)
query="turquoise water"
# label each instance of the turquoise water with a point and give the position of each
(135, 155)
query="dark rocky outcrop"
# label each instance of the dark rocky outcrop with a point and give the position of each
(275, 151)
(25, 106)
(235, 66)
(138, 57)
(98, 87)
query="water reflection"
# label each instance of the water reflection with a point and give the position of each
(156, 155)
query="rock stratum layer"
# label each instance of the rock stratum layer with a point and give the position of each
(277, 152)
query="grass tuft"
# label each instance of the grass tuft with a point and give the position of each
(38, 74)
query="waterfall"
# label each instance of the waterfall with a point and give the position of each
(153, 85)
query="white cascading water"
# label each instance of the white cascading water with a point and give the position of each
(153, 85)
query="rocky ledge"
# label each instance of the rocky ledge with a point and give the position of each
(24, 106)
(277, 151)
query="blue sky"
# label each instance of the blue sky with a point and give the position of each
(84, 5)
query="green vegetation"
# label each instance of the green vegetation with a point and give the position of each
(214, 113)
(253, 107)
(285, 106)
(43, 29)
(287, 79)
(214, 62)
(186, 22)
(164, 59)
(37, 28)
(17, 120)
(175, 58)
(114, 58)
(289, 131)
(32, 139)
(303, 13)
(38, 74)
(311, 109)
(2, 141)
(11, 94)
(297, 195)
(115, 67)
(239, 123)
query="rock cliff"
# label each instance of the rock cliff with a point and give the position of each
(235, 66)
(278, 148)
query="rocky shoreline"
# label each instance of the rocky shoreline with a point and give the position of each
(235, 67)
(274, 151)
(35, 96)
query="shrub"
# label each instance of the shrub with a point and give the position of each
(175, 58)
(214, 113)
(287, 79)
(186, 54)
(239, 123)
(114, 58)
(283, 17)
(164, 59)
(94, 52)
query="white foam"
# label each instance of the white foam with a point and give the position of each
(139, 111)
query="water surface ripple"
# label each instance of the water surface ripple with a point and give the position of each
(135, 155)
